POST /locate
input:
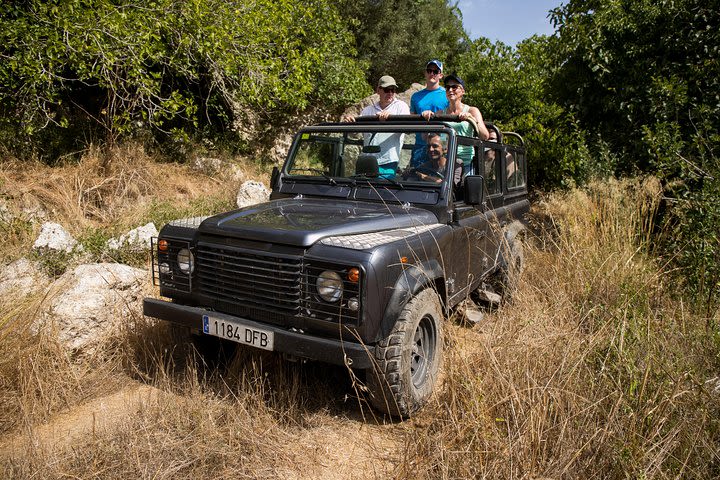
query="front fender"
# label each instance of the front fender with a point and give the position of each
(411, 280)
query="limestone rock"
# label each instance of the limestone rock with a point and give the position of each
(217, 167)
(5, 215)
(22, 277)
(93, 300)
(138, 238)
(208, 165)
(251, 193)
(473, 315)
(54, 237)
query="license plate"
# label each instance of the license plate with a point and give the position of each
(237, 332)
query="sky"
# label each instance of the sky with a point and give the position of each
(509, 21)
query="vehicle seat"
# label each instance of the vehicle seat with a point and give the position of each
(367, 165)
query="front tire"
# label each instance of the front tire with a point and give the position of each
(407, 361)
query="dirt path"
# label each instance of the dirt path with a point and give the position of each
(337, 445)
(85, 419)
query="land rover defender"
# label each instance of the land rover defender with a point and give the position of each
(360, 254)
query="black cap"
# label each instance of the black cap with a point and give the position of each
(454, 78)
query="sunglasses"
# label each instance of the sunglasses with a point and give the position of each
(388, 89)
(432, 71)
(452, 87)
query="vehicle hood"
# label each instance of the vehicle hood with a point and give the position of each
(302, 222)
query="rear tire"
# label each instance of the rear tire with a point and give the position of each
(408, 360)
(511, 267)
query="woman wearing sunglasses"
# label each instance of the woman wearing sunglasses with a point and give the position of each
(455, 90)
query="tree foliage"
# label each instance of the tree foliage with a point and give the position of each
(510, 88)
(644, 76)
(173, 66)
(630, 69)
(398, 37)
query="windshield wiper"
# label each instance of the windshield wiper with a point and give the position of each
(394, 182)
(365, 176)
(316, 170)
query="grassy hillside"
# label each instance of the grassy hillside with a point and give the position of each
(599, 369)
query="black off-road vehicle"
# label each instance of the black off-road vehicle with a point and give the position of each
(369, 240)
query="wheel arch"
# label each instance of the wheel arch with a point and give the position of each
(412, 280)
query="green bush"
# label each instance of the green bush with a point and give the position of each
(82, 71)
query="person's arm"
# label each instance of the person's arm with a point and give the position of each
(477, 116)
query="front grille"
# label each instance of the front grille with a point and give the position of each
(250, 280)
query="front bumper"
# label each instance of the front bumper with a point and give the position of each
(293, 343)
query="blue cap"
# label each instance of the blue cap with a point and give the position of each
(435, 62)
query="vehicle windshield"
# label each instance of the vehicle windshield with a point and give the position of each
(396, 157)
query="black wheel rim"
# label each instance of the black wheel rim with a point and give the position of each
(423, 351)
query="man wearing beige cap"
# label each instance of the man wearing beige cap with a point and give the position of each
(387, 105)
(390, 143)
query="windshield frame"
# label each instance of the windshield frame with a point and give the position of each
(363, 180)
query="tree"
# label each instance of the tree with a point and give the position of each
(105, 69)
(398, 37)
(644, 76)
(510, 88)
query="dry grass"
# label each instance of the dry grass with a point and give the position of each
(110, 192)
(232, 414)
(597, 370)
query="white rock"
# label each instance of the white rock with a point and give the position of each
(22, 277)
(473, 315)
(251, 193)
(217, 167)
(208, 165)
(136, 238)
(34, 213)
(235, 173)
(94, 300)
(5, 215)
(713, 384)
(54, 237)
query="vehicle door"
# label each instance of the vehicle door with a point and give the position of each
(473, 247)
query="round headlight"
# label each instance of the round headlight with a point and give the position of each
(329, 286)
(186, 261)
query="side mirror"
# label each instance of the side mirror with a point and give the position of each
(474, 186)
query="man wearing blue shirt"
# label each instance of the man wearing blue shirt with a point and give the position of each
(432, 98)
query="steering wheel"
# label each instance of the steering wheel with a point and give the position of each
(427, 171)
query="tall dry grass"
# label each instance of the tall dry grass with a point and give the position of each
(209, 413)
(598, 370)
(108, 191)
